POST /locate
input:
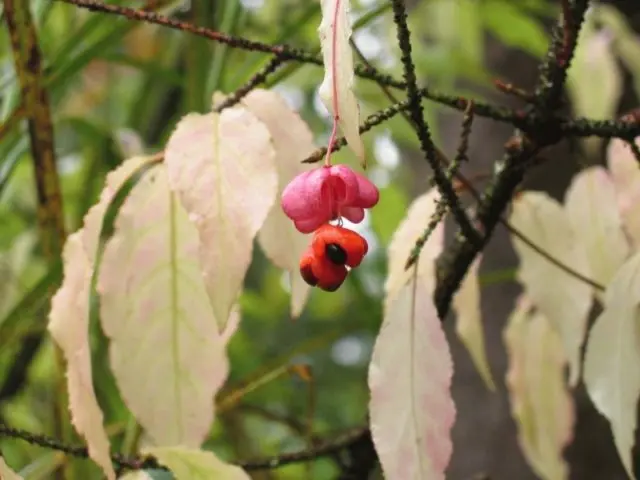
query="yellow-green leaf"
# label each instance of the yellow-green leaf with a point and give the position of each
(612, 357)
(541, 403)
(189, 464)
(561, 297)
(592, 209)
(466, 304)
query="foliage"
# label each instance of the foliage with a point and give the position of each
(174, 347)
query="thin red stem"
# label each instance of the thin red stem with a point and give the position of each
(334, 84)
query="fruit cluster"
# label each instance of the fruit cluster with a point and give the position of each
(315, 198)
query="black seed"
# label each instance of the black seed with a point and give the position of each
(336, 253)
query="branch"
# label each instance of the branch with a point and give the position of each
(519, 157)
(35, 107)
(321, 449)
(417, 116)
(286, 52)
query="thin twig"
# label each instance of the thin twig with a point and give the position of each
(417, 115)
(517, 160)
(259, 78)
(321, 449)
(287, 52)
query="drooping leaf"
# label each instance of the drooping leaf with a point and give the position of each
(69, 326)
(561, 297)
(223, 170)
(411, 409)
(335, 32)
(540, 401)
(594, 79)
(625, 173)
(293, 141)
(466, 304)
(612, 356)
(627, 43)
(6, 473)
(592, 210)
(404, 240)
(156, 313)
(69, 317)
(187, 464)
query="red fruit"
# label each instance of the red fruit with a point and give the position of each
(340, 245)
(318, 270)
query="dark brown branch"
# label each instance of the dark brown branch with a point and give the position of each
(416, 113)
(519, 157)
(286, 52)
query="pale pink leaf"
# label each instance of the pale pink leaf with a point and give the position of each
(411, 409)
(293, 141)
(541, 403)
(612, 356)
(404, 240)
(335, 31)
(625, 173)
(113, 182)
(592, 210)
(165, 351)
(188, 464)
(6, 473)
(561, 297)
(223, 169)
(466, 304)
(69, 317)
(69, 327)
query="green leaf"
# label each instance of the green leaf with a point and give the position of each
(514, 27)
(189, 464)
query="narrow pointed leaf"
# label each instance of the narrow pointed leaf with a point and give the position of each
(594, 79)
(469, 327)
(156, 312)
(625, 173)
(335, 32)
(404, 240)
(69, 326)
(561, 297)
(411, 409)
(540, 401)
(69, 317)
(293, 141)
(612, 357)
(593, 212)
(6, 473)
(223, 169)
(187, 464)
